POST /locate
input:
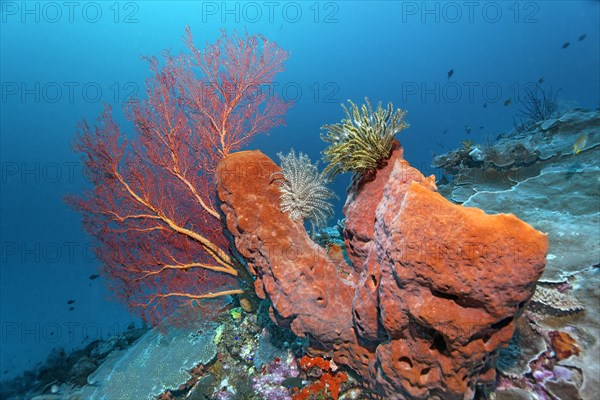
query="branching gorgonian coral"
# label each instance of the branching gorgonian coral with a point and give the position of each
(538, 104)
(303, 192)
(361, 141)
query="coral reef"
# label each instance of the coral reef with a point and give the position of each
(329, 381)
(547, 173)
(434, 290)
(163, 358)
(538, 105)
(553, 301)
(419, 301)
(551, 183)
(240, 359)
(271, 383)
(61, 375)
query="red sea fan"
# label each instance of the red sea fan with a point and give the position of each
(153, 205)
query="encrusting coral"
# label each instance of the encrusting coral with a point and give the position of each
(555, 302)
(328, 383)
(361, 141)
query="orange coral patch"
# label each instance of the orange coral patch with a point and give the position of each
(564, 345)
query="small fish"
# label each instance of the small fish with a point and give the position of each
(450, 73)
(507, 102)
(293, 382)
(565, 45)
(94, 276)
(481, 127)
(580, 144)
(71, 308)
(467, 129)
(582, 37)
(500, 136)
(70, 301)
(445, 131)
(541, 80)
(484, 105)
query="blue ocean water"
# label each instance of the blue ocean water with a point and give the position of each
(60, 61)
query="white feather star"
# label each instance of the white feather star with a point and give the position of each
(303, 192)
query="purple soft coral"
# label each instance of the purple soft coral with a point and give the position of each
(269, 383)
